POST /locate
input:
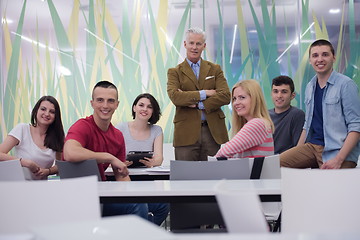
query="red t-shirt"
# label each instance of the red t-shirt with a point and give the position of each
(91, 137)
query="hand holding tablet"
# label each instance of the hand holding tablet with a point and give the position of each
(136, 156)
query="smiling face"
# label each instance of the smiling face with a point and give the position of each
(322, 59)
(281, 97)
(194, 45)
(104, 103)
(143, 109)
(241, 102)
(45, 114)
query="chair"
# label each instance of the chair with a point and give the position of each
(318, 201)
(209, 170)
(11, 170)
(28, 204)
(78, 169)
(269, 169)
(241, 211)
(168, 154)
(192, 215)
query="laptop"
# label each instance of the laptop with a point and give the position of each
(11, 170)
(78, 169)
(209, 170)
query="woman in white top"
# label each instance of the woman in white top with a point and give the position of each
(38, 144)
(142, 134)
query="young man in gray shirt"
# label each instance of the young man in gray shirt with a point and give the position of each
(288, 120)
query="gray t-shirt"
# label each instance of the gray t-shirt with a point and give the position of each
(132, 144)
(288, 128)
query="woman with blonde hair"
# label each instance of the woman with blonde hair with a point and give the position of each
(252, 127)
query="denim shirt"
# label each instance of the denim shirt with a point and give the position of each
(341, 114)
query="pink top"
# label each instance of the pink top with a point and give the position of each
(253, 140)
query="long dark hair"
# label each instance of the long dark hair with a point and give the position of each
(156, 108)
(55, 135)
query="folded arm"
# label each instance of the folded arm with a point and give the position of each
(181, 98)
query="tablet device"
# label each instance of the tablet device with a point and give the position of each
(135, 156)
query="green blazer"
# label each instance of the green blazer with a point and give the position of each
(187, 121)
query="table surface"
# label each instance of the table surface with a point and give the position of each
(117, 227)
(186, 187)
(133, 227)
(186, 191)
(160, 170)
(143, 174)
(270, 236)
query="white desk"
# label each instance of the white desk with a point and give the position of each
(144, 174)
(183, 191)
(135, 228)
(270, 236)
(120, 227)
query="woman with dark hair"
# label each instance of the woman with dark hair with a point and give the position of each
(39, 144)
(142, 134)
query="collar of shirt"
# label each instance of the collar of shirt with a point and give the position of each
(195, 67)
(190, 62)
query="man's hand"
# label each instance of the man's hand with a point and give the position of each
(210, 93)
(332, 164)
(192, 106)
(128, 163)
(119, 167)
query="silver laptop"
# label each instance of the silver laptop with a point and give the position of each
(11, 170)
(78, 169)
(209, 170)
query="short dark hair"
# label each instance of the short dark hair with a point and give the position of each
(105, 84)
(282, 79)
(55, 135)
(322, 42)
(155, 105)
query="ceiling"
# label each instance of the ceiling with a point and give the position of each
(37, 11)
(38, 20)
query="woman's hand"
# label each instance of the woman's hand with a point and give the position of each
(34, 168)
(148, 162)
(42, 172)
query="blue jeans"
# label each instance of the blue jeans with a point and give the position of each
(159, 210)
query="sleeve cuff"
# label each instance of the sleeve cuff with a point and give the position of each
(202, 95)
(201, 105)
